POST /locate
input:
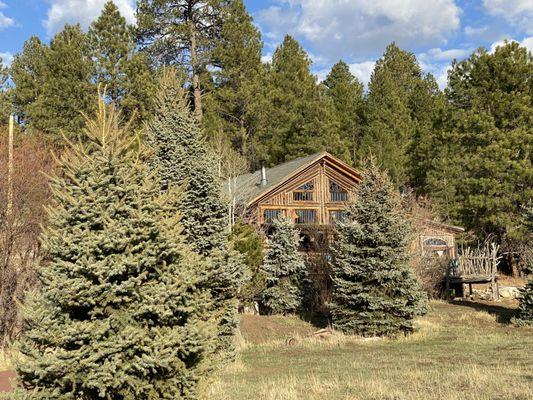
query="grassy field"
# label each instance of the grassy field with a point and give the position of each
(461, 351)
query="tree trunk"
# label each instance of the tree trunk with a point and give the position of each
(197, 92)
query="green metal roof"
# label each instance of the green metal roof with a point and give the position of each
(248, 185)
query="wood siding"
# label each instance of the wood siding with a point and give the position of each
(305, 205)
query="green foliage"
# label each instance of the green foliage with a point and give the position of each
(6, 107)
(525, 310)
(285, 269)
(302, 117)
(181, 157)
(122, 312)
(398, 116)
(55, 83)
(239, 95)
(181, 32)
(374, 291)
(483, 173)
(347, 94)
(128, 79)
(27, 72)
(247, 241)
(524, 315)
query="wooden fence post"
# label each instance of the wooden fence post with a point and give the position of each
(9, 208)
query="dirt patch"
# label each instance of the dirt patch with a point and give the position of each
(5, 380)
(261, 328)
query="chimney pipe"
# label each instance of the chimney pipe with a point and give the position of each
(264, 179)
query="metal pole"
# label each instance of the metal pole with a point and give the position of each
(9, 210)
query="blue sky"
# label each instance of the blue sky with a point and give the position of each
(356, 31)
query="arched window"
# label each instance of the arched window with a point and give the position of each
(435, 242)
(304, 192)
(336, 192)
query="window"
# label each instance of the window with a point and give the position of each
(337, 216)
(435, 242)
(270, 215)
(336, 192)
(306, 217)
(304, 192)
(435, 247)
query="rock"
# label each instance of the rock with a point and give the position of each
(509, 292)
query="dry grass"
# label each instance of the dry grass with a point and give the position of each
(459, 352)
(5, 360)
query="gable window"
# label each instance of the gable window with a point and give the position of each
(269, 215)
(336, 216)
(435, 247)
(304, 192)
(306, 217)
(337, 193)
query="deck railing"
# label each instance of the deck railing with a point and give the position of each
(476, 262)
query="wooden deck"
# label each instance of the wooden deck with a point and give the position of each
(474, 267)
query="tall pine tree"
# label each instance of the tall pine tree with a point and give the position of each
(181, 157)
(122, 313)
(239, 95)
(302, 117)
(483, 174)
(28, 74)
(285, 269)
(396, 92)
(126, 74)
(374, 290)
(347, 94)
(66, 90)
(181, 31)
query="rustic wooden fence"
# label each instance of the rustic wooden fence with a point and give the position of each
(475, 266)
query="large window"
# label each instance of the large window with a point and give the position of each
(269, 215)
(336, 216)
(336, 192)
(304, 192)
(306, 217)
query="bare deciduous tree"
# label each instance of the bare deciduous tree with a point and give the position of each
(20, 228)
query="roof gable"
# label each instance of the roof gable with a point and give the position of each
(249, 190)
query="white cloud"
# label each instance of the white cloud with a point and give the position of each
(447, 55)
(266, 58)
(363, 70)
(7, 58)
(361, 28)
(5, 21)
(517, 12)
(472, 31)
(63, 12)
(527, 42)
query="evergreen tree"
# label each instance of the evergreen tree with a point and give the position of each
(525, 310)
(60, 82)
(28, 74)
(125, 73)
(240, 79)
(285, 269)
(302, 118)
(121, 313)
(6, 107)
(248, 242)
(181, 31)
(483, 173)
(181, 157)
(374, 291)
(347, 94)
(396, 92)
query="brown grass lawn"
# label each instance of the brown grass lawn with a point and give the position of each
(461, 351)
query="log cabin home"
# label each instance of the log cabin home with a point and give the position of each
(313, 191)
